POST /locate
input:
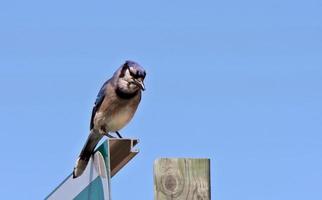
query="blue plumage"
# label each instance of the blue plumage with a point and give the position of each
(99, 99)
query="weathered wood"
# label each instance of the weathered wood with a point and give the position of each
(182, 179)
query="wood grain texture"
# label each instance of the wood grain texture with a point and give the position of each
(182, 179)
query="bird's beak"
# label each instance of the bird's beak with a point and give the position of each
(140, 84)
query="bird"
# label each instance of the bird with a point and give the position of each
(115, 105)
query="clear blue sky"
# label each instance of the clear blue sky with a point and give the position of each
(236, 81)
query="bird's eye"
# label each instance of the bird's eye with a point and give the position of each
(131, 73)
(134, 75)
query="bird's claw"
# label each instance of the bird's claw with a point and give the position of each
(109, 135)
(118, 134)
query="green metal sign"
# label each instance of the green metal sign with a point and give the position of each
(93, 184)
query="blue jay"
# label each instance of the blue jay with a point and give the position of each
(114, 107)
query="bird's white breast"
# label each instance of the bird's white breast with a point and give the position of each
(119, 119)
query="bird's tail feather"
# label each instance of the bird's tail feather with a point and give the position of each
(85, 155)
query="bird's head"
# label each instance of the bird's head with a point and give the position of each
(130, 77)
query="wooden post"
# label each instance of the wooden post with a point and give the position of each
(182, 179)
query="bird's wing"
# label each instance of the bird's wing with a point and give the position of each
(99, 99)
